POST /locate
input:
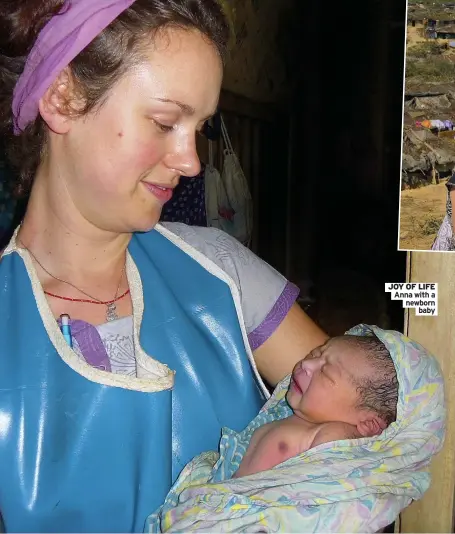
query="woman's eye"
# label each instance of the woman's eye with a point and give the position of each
(165, 128)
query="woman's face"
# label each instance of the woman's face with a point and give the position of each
(117, 166)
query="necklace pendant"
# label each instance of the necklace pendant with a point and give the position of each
(111, 312)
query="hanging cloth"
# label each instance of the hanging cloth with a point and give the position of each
(217, 206)
(237, 191)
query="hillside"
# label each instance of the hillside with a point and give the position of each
(437, 10)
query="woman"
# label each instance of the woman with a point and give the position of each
(172, 327)
(445, 239)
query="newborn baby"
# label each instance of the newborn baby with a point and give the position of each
(345, 389)
(348, 388)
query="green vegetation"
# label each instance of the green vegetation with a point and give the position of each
(425, 50)
(431, 69)
(431, 225)
(440, 15)
(433, 2)
(431, 60)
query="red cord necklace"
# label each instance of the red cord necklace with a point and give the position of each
(111, 311)
(105, 303)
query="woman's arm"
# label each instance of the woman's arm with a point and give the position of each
(294, 338)
(279, 331)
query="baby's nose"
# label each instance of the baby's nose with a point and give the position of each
(313, 364)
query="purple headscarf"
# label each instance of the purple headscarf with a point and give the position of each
(59, 42)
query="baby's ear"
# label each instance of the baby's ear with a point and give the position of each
(371, 426)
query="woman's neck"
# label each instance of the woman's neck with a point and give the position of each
(68, 246)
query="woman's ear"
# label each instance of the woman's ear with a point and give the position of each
(56, 105)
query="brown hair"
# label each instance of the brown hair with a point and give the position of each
(97, 68)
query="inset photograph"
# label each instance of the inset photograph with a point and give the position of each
(428, 155)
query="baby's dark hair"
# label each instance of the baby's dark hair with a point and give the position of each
(379, 394)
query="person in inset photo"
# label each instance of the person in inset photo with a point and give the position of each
(445, 239)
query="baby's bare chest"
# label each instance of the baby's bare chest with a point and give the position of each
(286, 438)
(277, 442)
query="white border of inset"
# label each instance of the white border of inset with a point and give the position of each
(402, 126)
(401, 152)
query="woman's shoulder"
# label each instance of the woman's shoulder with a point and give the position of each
(213, 243)
(193, 233)
(260, 286)
(252, 275)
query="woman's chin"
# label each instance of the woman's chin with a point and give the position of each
(146, 224)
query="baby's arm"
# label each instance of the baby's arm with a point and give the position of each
(334, 432)
(271, 444)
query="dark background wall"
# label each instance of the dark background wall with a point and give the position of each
(345, 108)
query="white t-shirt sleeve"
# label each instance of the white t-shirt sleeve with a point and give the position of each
(266, 295)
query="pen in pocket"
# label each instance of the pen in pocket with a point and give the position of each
(66, 329)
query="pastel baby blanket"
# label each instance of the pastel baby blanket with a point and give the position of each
(344, 486)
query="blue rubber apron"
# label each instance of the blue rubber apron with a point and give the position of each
(81, 456)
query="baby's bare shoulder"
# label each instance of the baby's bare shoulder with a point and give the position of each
(295, 432)
(335, 431)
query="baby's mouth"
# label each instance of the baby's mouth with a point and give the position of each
(295, 385)
(301, 378)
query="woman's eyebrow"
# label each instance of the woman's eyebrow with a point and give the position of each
(188, 110)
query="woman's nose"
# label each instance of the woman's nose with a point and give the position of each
(184, 159)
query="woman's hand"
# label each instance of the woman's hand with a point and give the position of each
(296, 336)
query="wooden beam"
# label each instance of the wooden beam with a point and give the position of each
(434, 513)
(244, 107)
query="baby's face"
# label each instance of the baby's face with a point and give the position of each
(323, 385)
